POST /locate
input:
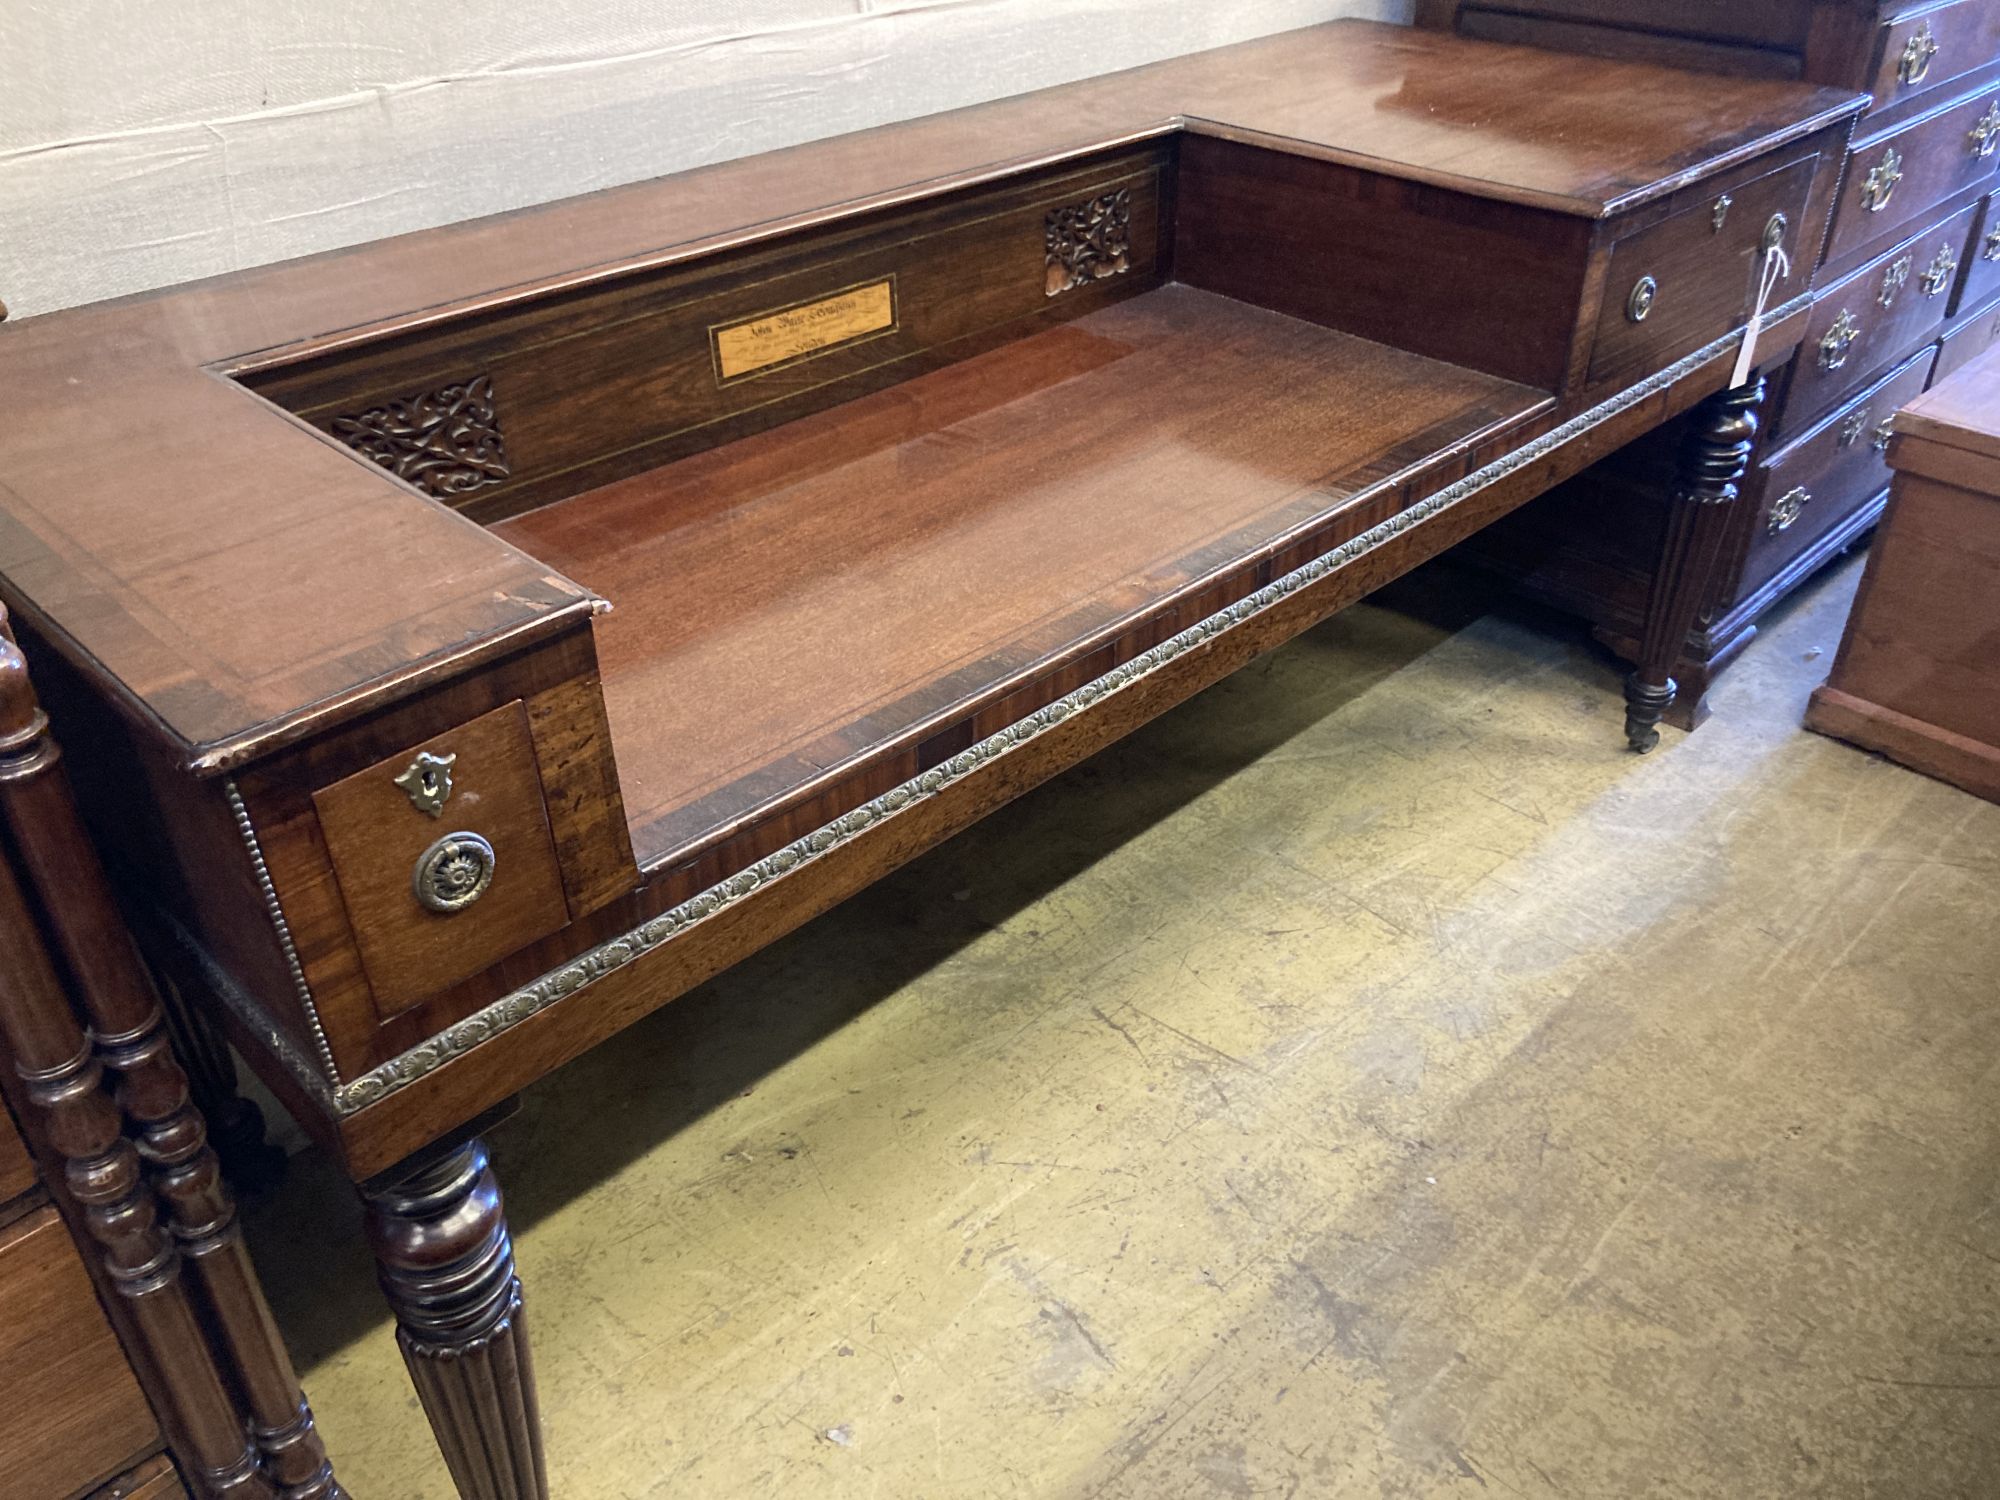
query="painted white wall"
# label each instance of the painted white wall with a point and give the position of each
(144, 143)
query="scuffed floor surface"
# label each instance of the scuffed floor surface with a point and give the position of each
(1368, 1081)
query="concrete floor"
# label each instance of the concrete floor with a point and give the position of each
(1369, 1081)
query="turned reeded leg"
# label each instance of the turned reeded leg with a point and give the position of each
(1714, 454)
(447, 1266)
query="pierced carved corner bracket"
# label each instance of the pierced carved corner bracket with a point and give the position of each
(446, 442)
(1087, 242)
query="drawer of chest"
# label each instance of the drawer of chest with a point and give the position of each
(1924, 47)
(1972, 337)
(72, 1414)
(1692, 276)
(443, 857)
(1982, 258)
(1807, 488)
(1893, 180)
(1874, 316)
(17, 1168)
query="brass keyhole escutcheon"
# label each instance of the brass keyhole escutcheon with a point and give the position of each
(1989, 248)
(1787, 508)
(453, 873)
(1645, 292)
(1853, 427)
(1917, 54)
(1879, 186)
(426, 781)
(1720, 213)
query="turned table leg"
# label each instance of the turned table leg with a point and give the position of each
(1714, 454)
(447, 1266)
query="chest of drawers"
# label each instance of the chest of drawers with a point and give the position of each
(1909, 280)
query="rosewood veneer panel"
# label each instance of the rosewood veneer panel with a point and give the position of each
(850, 578)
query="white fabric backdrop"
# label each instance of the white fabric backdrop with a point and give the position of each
(144, 143)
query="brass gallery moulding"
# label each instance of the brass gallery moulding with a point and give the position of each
(1087, 242)
(445, 442)
(615, 953)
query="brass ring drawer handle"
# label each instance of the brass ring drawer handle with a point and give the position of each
(1943, 266)
(1879, 186)
(1645, 292)
(1917, 54)
(1985, 136)
(1786, 509)
(1838, 341)
(453, 873)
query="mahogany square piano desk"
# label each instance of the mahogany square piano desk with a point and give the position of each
(469, 642)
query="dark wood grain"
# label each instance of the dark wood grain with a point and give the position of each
(1840, 465)
(1930, 160)
(17, 1167)
(374, 837)
(1979, 278)
(376, 1137)
(1591, 549)
(73, 1414)
(880, 570)
(362, 597)
(127, 1039)
(1715, 452)
(446, 1262)
(1874, 316)
(1338, 246)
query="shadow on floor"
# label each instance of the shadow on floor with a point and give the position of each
(717, 1041)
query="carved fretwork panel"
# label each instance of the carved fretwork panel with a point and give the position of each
(445, 442)
(1089, 241)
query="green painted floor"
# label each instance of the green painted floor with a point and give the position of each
(1368, 1081)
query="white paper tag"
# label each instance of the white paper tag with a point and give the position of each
(1777, 266)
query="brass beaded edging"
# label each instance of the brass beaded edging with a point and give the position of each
(281, 927)
(615, 953)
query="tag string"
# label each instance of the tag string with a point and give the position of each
(1777, 267)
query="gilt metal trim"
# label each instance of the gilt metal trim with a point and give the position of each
(269, 891)
(615, 953)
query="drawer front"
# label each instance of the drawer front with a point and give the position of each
(1809, 487)
(1926, 49)
(1693, 276)
(72, 1413)
(1875, 316)
(1965, 343)
(1982, 258)
(1894, 180)
(444, 858)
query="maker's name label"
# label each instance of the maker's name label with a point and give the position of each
(803, 330)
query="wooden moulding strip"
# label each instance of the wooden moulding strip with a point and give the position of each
(616, 953)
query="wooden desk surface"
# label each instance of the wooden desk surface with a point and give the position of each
(237, 582)
(882, 568)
